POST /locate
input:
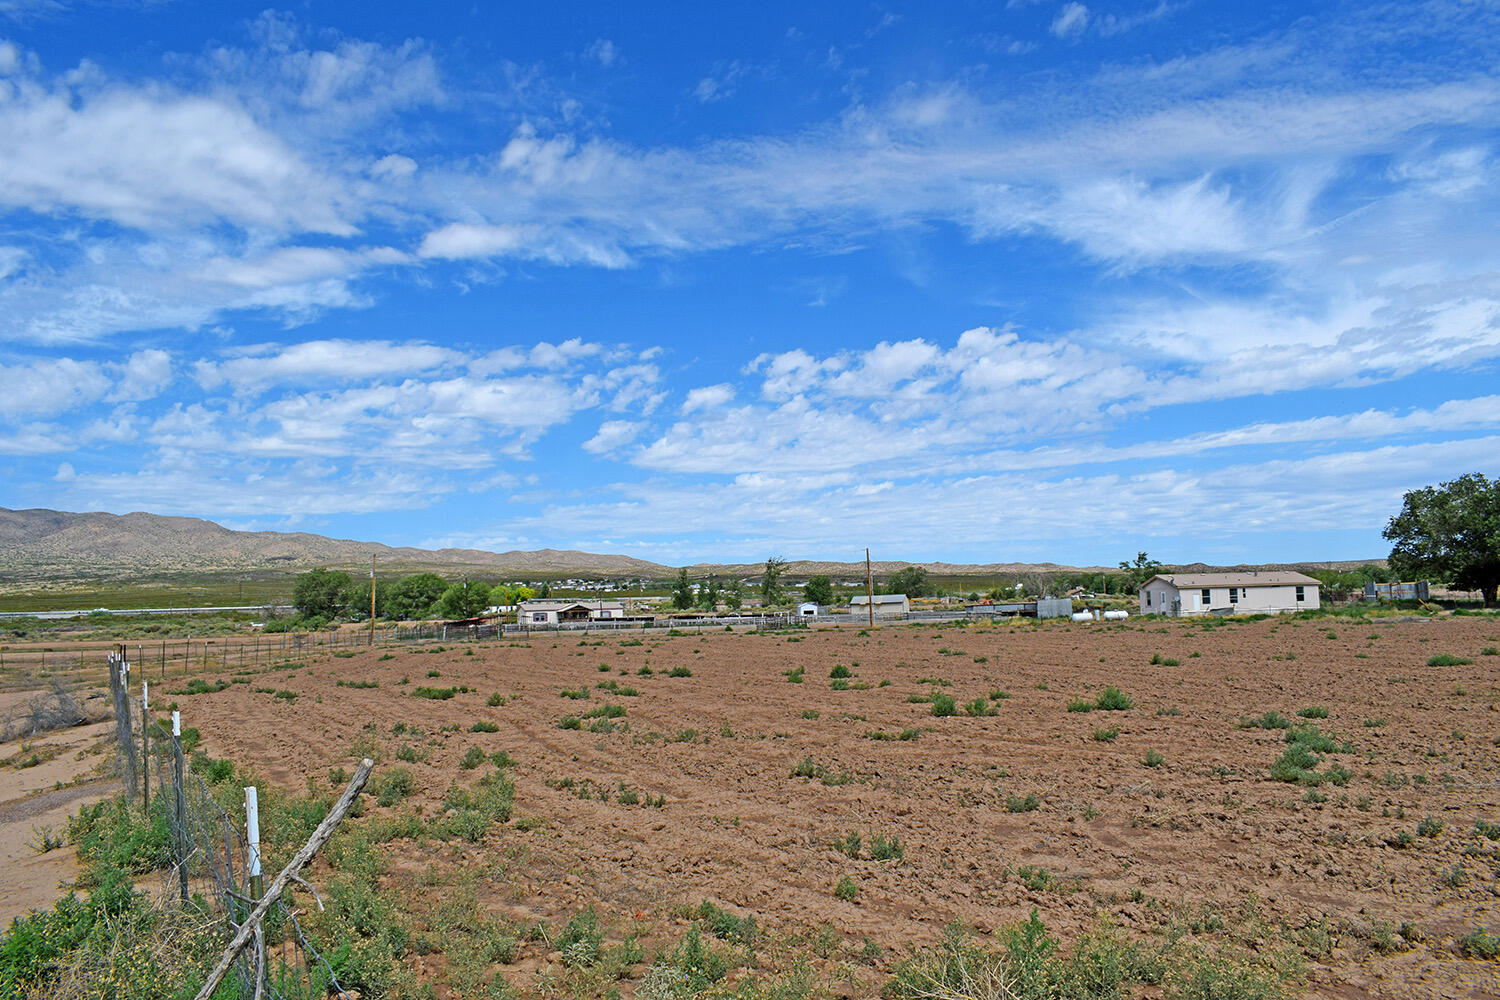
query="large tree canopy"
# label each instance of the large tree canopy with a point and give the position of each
(414, 596)
(911, 581)
(819, 590)
(322, 592)
(463, 600)
(1451, 533)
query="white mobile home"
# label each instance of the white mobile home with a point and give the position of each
(549, 612)
(885, 604)
(1247, 593)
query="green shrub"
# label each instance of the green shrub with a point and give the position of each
(979, 707)
(1153, 759)
(1080, 705)
(810, 713)
(794, 675)
(943, 704)
(847, 889)
(727, 926)
(393, 786)
(434, 694)
(839, 670)
(1019, 804)
(1106, 735)
(1313, 712)
(851, 844)
(472, 758)
(1479, 943)
(1429, 827)
(883, 848)
(679, 672)
(1447, 660)
(570, 722)
(484, 726)
(1112, 699)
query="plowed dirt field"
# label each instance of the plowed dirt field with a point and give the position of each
(1159, 817)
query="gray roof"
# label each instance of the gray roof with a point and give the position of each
(1277, 578)
(550, 604)
(879, 599)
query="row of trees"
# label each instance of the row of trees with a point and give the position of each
(329, 593)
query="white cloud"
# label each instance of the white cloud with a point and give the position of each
(603, 51)
(1072, 18)
(256, 368)
(612, 436)
(708, 397)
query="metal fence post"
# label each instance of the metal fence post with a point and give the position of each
(179, 801)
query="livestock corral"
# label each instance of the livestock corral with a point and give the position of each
(1295, 806)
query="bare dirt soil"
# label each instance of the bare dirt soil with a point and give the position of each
(1162, 816)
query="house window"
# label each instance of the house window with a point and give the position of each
(1148, 598)
(539, 616)
(1234, 596)
(1207, 597)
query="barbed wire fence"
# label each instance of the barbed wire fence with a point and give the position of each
(215, 855)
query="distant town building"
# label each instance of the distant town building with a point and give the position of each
(1245, 593)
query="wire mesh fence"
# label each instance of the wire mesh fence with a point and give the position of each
(214, 866)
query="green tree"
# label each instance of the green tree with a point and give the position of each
(734, 595)
(359, 599)
(1450, 533)
(682, 591)
(911, 581)
(1139, 571)
(323, 592)
(772, 591)
(708, 594)
(819, 590)
(413, 596)
(463, 600)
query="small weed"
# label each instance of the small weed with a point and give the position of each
(1153, 759)
(1447, 660)
(810, 713)
(943, 705)
(1429, 827)
(484, 726)
(679, 671)
(839, 670)
(794, 676)
(1313, 712)
(980, 707)
(1080, 705)
(1112, 699)
(1106, 735)
(1019, 804)
(883, 848)
(847, 889)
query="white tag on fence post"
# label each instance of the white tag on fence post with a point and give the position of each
(176, 723)
(252, 830)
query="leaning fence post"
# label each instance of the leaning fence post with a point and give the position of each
(179, 798)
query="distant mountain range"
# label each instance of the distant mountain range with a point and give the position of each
(49, 544)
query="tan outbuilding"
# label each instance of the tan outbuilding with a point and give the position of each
(1246, 593)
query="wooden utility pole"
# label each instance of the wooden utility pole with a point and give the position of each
(869, 587)
(372, 599)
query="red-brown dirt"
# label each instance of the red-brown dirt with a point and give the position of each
(1203, 838)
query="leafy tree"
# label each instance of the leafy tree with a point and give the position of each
(544, 591)
(504, 593)
(1139, 571)
(708, 594)
(413, 596)
(359, 599)
(463, 600)
(734, 595)
(819, 590)
(911, 581)
(772, 591)
(1451, 533)
(682, 591)
(323, 592)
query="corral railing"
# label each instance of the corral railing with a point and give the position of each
(214, 863)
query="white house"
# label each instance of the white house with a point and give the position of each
(1245, 593)
(885, 604)
(552, 612)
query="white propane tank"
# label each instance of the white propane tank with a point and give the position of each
(1082, 616)
(1114, 616)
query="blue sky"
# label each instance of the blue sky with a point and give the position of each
(968, 281)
